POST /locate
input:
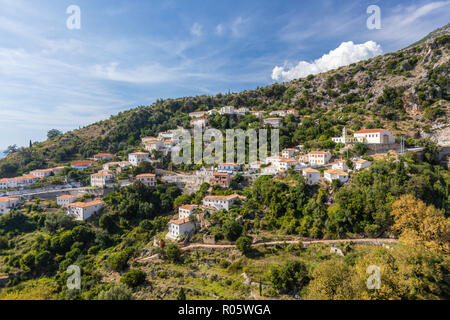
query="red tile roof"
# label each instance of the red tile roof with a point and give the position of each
(370, 131)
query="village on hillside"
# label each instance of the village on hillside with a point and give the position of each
(106, 171)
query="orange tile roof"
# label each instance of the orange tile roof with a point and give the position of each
(189, 206)
(180, 221)
(101, 155)
(146, 175)
(139, 153)
(66, 196)
(230, 197)
(310, 170)
(338, 172)
(83, 163)
(86, 204)
(370, 131)
(7, 199)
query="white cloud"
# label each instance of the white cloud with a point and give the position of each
(347, 53)
(220, 29)
(197, 29)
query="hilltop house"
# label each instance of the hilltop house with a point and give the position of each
(186, 211)
(136, 158)
(101, 178)
(288, 153)
(179, 228)
(65, 200)
(222, 179)
(339, 165)
(82, 164)
(18, 182)
(84, 210)
(331, 175)
(285, 164)
(199, 122)
(274, 122)
(319, 158)
(221, 202)
(361, 164)
(374, 136)
(258, 114)
(227, 110)
(148, 179)
(7, 203)
(312, 176)
(197, 114)
(103, 156)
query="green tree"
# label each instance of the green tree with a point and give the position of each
(244, 244)
(173, 252)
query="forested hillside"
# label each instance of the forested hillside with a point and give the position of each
(404, 91)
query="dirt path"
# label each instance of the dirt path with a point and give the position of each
(305, 243)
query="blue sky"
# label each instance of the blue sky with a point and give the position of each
(130, 53)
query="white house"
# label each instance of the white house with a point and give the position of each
(179, 228)
(285, 164)
(136, 158)
(340, 165)
(167, 135)
(101, 178)
(255, 165)
(6, 204)
(148, 179)
(82, 164)
(312, 176)
(269, 170)
(213, 112)
(197, 114)
(273, 160)
(221, 202)
(153, 144)
(344, 138)
(288, 153)
(110, 165)
(256, 113)
(331, 175)
(42, 173)
(374, 136)
(241, 111)
(103, 156)
(65, 200)
(319, 158)
(278, 113)
(227, 110)
(186, 211)
(274, 122)
(199, 122)
(228, 168)
(361, 164)
(84, 210)
(18, 182)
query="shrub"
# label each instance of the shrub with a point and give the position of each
(133, 278)
(116, 292)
